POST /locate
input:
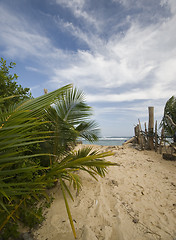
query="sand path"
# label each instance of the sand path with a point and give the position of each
(136, 200)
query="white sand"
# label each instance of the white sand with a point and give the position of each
(135, 201)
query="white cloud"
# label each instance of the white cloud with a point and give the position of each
(136, 110)
(137, 65)
(155, 93)
(84, 37)
(166, 72)
(144, 56)
(22, 40)
(32, 69)
(172, 6)
(77, 8)
(73, 4)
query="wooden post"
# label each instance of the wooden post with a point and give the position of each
(145, 125)
(156, 137)
(140, 135)
(151, 127)
(146, 136)
(45, 91)
(136, 129)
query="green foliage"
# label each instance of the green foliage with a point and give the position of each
(31, 215)
(20, 175)
(32, 131)
(69, 119)
(9, 86)
(10, 231)
(169, 110)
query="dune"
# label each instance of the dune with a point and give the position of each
(135, 201)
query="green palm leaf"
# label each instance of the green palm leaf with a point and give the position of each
(17, 132)
(69, 119)
(53, 122)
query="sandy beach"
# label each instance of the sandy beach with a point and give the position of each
(135, 201)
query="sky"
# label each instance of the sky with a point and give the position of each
(120, 53)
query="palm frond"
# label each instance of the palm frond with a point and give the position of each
(67, 208)
(53, 122)
(17, 133)
(88, 130)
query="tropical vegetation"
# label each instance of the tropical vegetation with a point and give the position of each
(37, 139)
(10, 87)
(169, 119)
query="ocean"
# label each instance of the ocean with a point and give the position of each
(109, 141)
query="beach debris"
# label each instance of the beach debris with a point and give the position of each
(131, 140)
(135, 220)
(149, 160)
(173, 184)
(114, 183)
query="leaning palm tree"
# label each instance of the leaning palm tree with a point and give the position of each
(24, 126)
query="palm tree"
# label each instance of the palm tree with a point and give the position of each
(169, 118)
(25, 126)
(70, 119)
(19, 172)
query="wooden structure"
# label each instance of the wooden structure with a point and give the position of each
(150, 140)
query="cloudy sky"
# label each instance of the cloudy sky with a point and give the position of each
(121, 53)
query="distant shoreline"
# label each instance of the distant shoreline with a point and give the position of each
(108, 141)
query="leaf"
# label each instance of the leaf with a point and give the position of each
(68, 209)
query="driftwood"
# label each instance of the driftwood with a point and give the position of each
(131, 140)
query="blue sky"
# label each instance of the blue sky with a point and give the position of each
(121, 53)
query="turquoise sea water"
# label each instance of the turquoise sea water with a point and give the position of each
(107, 141)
